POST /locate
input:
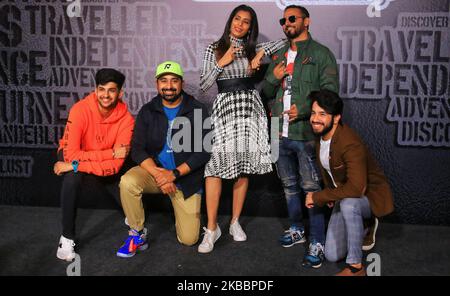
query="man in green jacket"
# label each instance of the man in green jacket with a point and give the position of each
(301, 67)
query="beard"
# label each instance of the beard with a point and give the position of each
(168, 98)
(326, 129)
(292, 35)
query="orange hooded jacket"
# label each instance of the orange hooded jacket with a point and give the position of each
(90, 139)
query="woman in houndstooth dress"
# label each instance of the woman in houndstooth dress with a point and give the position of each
(240, 137)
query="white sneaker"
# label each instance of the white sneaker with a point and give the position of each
(65, 249)
(209, 238)
(237, 232)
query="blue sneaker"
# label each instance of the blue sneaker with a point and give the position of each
(314, 256)
(135, 241)
(294, 235)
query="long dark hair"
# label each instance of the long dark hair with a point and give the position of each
(250, 39)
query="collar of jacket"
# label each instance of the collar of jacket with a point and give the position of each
(337, 132)
(301, 45)
(187, 105)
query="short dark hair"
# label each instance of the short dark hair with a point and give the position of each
(327, 100)
(304, 11)
(105, 75)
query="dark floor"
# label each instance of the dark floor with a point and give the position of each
(29, 236)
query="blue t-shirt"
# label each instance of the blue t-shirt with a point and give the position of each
(165, 157)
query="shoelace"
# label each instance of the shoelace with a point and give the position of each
(133, 233)
(207, 235)
(237, 227)
(293, 232)
(294, 235)
(68, 242)
(136, 233)
(290, 230)
(314, 249)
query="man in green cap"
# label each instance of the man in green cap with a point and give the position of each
(165, 167)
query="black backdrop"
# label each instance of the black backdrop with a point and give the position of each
(394, 74)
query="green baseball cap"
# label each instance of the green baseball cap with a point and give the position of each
(169, 67)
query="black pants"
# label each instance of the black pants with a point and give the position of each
(71, 189)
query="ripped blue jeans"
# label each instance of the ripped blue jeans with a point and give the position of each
(297, 169)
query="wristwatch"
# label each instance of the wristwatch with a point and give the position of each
(176, 173)
(75, 166)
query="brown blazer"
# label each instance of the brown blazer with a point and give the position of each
(355, 173)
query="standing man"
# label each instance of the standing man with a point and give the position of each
(296, 70)
(354, 183)
(163, 166)
(95, 144)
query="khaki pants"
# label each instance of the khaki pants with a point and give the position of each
(138, 181)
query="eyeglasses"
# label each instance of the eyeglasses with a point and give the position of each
(291, 19)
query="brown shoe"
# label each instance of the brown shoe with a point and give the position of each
(369, 239)
(352, 271)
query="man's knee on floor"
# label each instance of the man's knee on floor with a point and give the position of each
(188, 238)
(331, 255)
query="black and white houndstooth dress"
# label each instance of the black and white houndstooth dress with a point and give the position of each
(240, 143)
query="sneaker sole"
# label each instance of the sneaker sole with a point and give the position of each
(68, 259)
(121, 255)
(312, 266)
(370, 247)
(317, 266)
(297, 242)
(205, 251)
(238, 240)
(141, 248)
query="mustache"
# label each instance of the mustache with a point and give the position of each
(169, 89)
(315, 122)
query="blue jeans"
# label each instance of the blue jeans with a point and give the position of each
(297, 169)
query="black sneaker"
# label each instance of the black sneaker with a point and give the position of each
(371, 231)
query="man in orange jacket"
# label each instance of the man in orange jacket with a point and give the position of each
(95, 144)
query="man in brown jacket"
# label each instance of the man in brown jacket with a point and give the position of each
(354, 184)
